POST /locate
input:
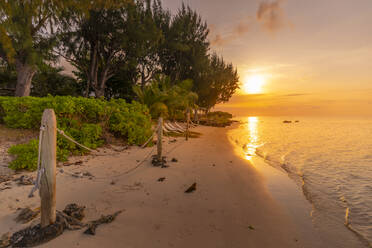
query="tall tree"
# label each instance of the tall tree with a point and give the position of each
(145, 39)
(219, 83)
(26, 36)
(184, 53)
(93, 42)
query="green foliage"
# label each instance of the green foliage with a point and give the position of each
(216, 119)
(49, 80)
(84, 119)
(26, 156)
(219, 114)
(220, 81)
(166, 99)
(130, 120)
(8, 79)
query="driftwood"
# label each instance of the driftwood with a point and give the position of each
(69, 219)
(25, 180)
(103, 220)
(191, 189)
(37, 235)
(75, 211)
(26, 215)
(5, 188)
(5, 178)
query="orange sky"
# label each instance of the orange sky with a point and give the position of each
(315, 55)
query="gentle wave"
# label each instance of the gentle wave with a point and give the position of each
(331, 165)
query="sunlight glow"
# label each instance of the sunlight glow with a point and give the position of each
(253, 84)
(250, 148)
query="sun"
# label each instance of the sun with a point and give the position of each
(253, 84)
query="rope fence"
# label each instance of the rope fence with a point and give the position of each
(166, 127)
(46, 163)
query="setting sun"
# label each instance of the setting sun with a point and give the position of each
(253, 84)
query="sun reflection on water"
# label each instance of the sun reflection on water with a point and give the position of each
(250, 148)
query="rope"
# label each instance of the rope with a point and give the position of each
(61, 132)
(138, 165)
(175, 147)
(141, 162)
(131, 169)
(152, 136)
(39, 171)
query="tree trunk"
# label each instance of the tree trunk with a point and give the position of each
(99, 92)
(100, 86)
(25, 74)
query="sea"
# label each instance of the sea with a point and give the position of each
(330, 161)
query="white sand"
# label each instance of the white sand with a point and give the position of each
(230, 197)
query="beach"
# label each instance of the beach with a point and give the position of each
(231, 206)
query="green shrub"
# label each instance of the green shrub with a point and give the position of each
(219, 114)
(26, 156)
(84, 119)
(216, 119)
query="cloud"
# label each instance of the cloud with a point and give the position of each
(297, 94)
(240, 29)
(272, 16)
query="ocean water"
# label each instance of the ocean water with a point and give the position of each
(329, 159)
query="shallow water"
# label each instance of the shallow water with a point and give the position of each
(329, 159)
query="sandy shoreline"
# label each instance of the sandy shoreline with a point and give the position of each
(230, 199)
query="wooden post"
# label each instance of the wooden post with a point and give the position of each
(48, 167)
(196, 117)
(160, 138)
(187, 124)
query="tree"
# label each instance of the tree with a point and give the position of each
(184, 54)
(121, 84)
(26, 36)
(50, 81)
(8, 79)
(219, 83)
(145, 39)
(92, 44)
(27, 33)
(165, 98)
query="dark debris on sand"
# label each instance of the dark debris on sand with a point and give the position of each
(5, 178)
(75, 211)
(70, 219)
(191, 189)
(159, 163)
(25, 180)
(103, 220)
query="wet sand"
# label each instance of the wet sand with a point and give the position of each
(231, 207)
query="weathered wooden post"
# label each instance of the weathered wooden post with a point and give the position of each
(196, 117)
(187, 124)
(160, 138)
(48, 168)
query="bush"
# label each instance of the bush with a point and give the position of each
(84, 119)
(219, 114)
(216, 119)
(26, 156)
